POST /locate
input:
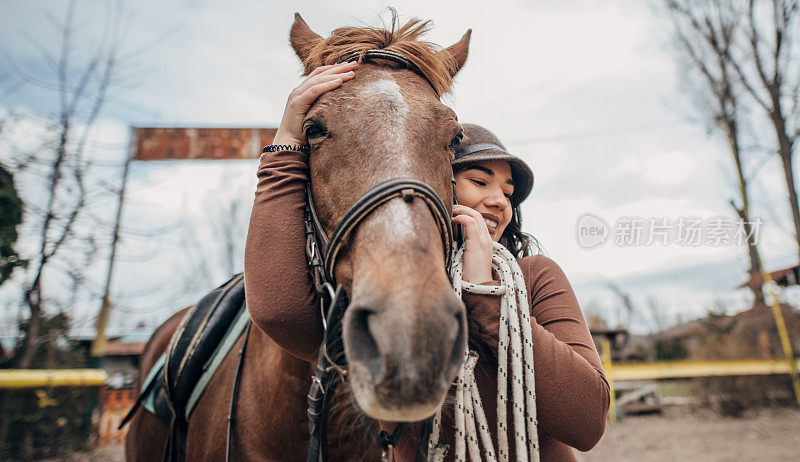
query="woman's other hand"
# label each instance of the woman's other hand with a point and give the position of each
(478, 245)
(320, 80)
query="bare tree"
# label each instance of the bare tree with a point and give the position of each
(762, 61)
(228, 229)
(215, 246)
(228, 222)
(625, 303)
(65, 235)
(768, 67)
(705, 32)
(10, 203)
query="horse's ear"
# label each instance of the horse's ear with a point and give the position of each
(302, 38)
(460, 50)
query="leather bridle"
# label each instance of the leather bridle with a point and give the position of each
(389, 56)
(322, 253)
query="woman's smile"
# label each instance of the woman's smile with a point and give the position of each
(492, 221)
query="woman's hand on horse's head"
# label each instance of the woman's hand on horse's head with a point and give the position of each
(320, 80)
(478, 244)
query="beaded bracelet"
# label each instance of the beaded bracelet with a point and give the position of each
(286, 147)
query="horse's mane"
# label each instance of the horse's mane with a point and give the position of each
(437, 65)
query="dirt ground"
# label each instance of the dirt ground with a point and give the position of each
(678, 434)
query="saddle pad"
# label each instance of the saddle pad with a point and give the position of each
(215, 324)
(153, 395)
(197, 338)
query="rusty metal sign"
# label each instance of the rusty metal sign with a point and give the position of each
(165, 143)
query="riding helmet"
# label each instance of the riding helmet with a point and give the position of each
(480, 144)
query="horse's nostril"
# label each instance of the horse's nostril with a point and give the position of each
(363, 349)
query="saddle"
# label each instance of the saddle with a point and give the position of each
(197, 338)
(199, 345)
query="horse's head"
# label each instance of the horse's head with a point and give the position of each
(405, 330)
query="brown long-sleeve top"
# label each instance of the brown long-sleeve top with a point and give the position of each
(572, 393)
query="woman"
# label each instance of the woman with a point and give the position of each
(571, 390)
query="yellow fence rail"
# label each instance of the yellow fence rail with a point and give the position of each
(38, 378)
(691, 368)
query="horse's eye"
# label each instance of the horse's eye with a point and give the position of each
(456, 141)
(315, 130)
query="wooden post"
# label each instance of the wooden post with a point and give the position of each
(606, 358)
(784, 336)
(98, 348)
(782, 332)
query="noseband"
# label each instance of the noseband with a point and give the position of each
(323, 252)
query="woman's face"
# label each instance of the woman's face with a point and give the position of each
(487, 187)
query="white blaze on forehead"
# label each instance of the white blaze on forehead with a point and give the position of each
(386, 93)
(389, 110)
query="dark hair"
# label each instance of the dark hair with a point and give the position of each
(519, 243)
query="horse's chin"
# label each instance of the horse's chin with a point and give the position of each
(385, 406)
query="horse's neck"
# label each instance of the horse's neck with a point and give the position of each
(269, 363)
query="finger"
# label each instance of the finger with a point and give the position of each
(474, 229)
(330, 69)
(319, 70)
(468, 225)
(302, 101)
(308, 97)
(464, 210)
(472, 226)
(463, 220)
(323, 77)
(339, 68)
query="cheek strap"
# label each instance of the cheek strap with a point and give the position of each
(459, 237)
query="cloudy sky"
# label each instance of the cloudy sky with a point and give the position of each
(587, 92)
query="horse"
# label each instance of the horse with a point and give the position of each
(404, 331)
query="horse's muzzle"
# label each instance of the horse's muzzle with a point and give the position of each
(404, 354)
